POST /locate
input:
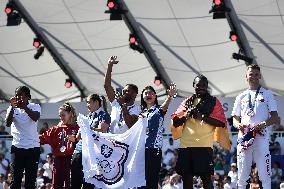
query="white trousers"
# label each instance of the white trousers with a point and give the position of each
(259, 153)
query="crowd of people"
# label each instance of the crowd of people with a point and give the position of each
(197, 123)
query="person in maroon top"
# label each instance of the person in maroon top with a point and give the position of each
(62, 148)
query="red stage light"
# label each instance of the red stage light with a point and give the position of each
(8, 10)
(132, 39)
(68, 83)
(36, 43)
(217, 2)
(157, 81)
(110, 4)
(233, 36)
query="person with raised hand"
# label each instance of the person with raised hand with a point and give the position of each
(22, 116)
(154, 132)
(124, 111)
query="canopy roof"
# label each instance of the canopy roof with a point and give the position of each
(180, 39)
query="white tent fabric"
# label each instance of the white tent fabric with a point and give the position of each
(182, 34)
(263, 24)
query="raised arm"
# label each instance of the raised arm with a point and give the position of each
(171, 92)
(107, 85)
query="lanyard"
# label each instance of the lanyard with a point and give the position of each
(62, 138)
(252, 104)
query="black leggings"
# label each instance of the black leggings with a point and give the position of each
(153, 157)
(77, 175)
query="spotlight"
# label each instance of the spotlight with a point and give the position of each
(217, 2)
(111, 4)
(13, 16)
(39, 52)
(115, 10)
(239, 56)
(219, 9)
(233, 36)
(157, 81)
(36, 43)
(134, 43)
(132, 39)
(8, 10)
(68, 83)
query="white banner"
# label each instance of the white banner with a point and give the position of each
(114, 160)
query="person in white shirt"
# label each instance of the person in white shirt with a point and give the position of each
(124, 111)
(227, 183)
(22, 117)
(48, 166)
(233, 174)
(254, 110)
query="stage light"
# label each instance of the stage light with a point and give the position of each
(134, 43)
(115, 10)
(239, 56)
(233, 36)
(13, 16)
(39, 52)
(36, 43)
(132, 39)
(217, 2)
(111, 4)
(68, 83)
(8, 10)
(157, 81)
(219, 9)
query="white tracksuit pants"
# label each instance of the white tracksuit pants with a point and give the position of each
(259, 153)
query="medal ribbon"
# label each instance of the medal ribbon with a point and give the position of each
(62, 137)
(252, 104)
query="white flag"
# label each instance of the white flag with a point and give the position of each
(114, 160)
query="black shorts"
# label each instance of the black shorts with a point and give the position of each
(195, 161)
